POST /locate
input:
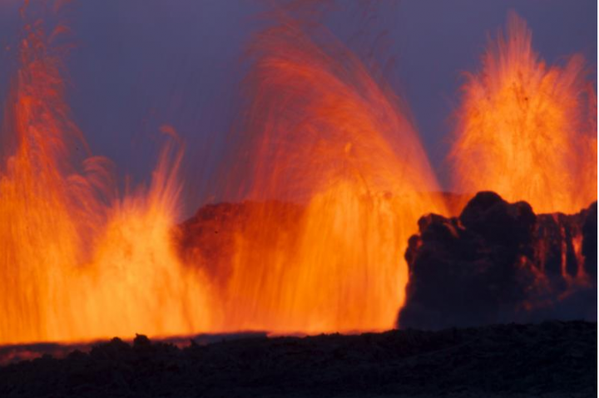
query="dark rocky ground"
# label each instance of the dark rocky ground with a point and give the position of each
(551, 359)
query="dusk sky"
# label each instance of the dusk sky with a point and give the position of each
(139, 64)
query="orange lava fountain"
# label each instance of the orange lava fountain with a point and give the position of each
(526, 130)
(76, 262)
(322, 132)
(334, 180)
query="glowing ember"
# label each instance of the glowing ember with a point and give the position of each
(77, 263)
(527, 130)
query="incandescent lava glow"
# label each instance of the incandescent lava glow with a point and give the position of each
(527, 130)
(320, 131)
(333, 180)
(76, 261)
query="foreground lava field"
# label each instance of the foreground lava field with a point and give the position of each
(551, 359)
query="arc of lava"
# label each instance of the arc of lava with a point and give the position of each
(322, 133)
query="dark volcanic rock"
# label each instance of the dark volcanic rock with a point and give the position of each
(552, 359)
(499, 262)
(208, 238)
(589, 242)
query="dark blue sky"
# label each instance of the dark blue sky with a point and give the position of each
(142, 63)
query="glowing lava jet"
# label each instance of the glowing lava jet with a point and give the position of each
(527, 130)
(322, 133)
(76, 262)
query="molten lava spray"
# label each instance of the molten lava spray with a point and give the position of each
(76, 262)
(334, 180)
(321, 132)
(527, 130)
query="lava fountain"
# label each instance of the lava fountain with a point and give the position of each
(78, 262)
(527, 130)
(319, 131)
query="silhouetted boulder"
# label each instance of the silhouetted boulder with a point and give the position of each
(141, 341)
(499, 262)
(110, 351)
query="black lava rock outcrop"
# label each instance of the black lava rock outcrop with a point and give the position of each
(499, 262)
